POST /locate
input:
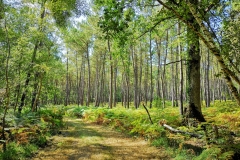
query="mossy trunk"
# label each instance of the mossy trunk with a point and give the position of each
(193, 70)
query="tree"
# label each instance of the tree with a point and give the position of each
(208, 36)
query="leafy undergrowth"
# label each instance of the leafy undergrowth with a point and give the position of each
(222, 115)
(26, 133)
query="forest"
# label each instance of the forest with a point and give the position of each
(163, 71)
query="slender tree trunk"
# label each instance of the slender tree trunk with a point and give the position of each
(7, 93)
(102, 90)
(97, 87)
(23, 97)
(35, 90)
(135, 70)
(172, 83)
(207, 81)
(163, 73)
(158, 46)
(111, 77)
(115, 86)
(151, 70)
(67, 84)
(181, 76)
(82, 81)
(34, 108)
(176, 80)
(89, 77)
(140, 76)
(77, 80)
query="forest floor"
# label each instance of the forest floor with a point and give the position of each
(85, 140)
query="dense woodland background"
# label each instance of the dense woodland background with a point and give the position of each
(107, 52)
(134, 53)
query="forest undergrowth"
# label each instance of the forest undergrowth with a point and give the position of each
(220, 136)
(27, 133)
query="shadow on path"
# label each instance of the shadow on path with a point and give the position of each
(83, 140)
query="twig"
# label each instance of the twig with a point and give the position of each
(148, 113)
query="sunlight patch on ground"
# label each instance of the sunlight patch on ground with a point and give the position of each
(83, 140)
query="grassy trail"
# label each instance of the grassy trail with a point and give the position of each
(84, 140)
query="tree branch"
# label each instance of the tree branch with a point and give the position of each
(148, 113)
(157, 23)
(176, 61)
(162, 123)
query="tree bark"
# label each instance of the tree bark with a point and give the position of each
(164, 72)
(111, 77)
(89, 77)
(151, 69)
(181, 71)
(193, 69)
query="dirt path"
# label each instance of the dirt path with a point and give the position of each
(89, 141)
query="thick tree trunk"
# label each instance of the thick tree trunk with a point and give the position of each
(193, 70)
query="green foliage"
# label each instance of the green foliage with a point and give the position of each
(62, 10)
(77, 112)
(53, 116)
(131, 121)
(15, 151)
(215, 153)
(222, 113)
(159, 142)
(31, 130)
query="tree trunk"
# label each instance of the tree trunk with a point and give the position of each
(135, 70)
(77, 80)
(164, 72)
(23, 97)
(207, 81)
(115, 86)
(151, 70)
(193, 70)
(7, 92)
(89, 77)
(67, 84)
(34, 107)
(111, 77)
(181, 71)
